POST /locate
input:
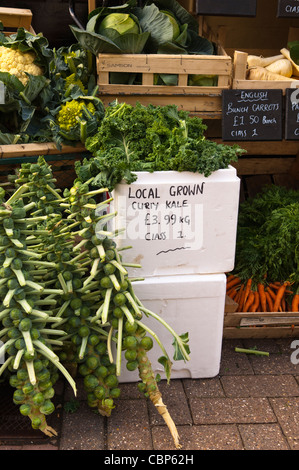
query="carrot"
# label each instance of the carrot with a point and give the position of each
(261, 291)
(239, 295)
(248, 302)
(232, 293)
(279, 296)
(283, 304)
(233, 283)
(247, 289)
(244, 295)
(269, 301)
(295, 303)
(230, 277)
(272, 293)
(256, 302)
(275, 285)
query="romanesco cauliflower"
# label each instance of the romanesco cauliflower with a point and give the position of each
(67, 116)
(17, 63)
(72, 80)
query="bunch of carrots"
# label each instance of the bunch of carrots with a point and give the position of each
(262, 296)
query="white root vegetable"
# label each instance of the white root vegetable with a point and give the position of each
(261, 73)
(282, 67)
(254, 60)
(287, 55)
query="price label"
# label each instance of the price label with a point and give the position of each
(288, 8)
(251, 115)
(170, 217)
(292, 114)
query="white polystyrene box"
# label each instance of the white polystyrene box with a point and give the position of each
(189, 303)
(178, 223)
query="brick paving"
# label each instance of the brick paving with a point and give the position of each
(252, 404)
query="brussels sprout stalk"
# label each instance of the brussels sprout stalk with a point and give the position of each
(147, 376)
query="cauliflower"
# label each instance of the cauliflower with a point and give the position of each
(17, 63)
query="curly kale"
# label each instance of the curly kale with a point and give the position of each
(151, 138)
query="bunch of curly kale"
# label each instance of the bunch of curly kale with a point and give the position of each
(150, 138)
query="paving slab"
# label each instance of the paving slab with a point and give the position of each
(274, 364)
(206, 437)
(175, 399)
(128, 427)
(252, 404)
(211, 387)
(263, 437)
(287, 413)
(82, 430)
(231, 410)
(260, 386)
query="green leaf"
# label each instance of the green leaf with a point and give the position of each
(11, 82)
(167, 364)
(131, 43)
(34, 86)
(157, 24)
(294, 52)
(179, 346)
(179, 12)
(95, 42)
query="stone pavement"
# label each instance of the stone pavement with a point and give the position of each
(253, 404)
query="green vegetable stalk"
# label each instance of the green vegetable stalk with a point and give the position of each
(67, 299)
(27, 341)
(117, 314)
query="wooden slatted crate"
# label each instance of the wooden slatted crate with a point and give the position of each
(241, 82)
(277, 324)
(204, 101)
(62, 161)
(258, 324)
(14, 18)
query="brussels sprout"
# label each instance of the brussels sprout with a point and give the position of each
(130, 354)
(146, 343)
(28, 388)
(115, 392)
(47, 408)
(38, 399)
(25, 409)
(111, 381)
(83, 331)
(119, 299)
(36, 422)
(130, 328)
(99, 392)
(92, 362)
(132, 365)
(130, 342)
(18, 396)
(90, 382)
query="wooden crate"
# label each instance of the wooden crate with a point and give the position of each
(62, 161)
(258, 324)
(14, 18)
(240, 81)
(205, 101)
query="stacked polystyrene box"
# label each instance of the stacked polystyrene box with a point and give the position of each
(182, 230)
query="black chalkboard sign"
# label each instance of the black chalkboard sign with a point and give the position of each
(292, 114)
(288, 8)
(226, 7)
(252, 114)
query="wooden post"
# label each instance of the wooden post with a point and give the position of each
(240, 64)
(91, 5)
